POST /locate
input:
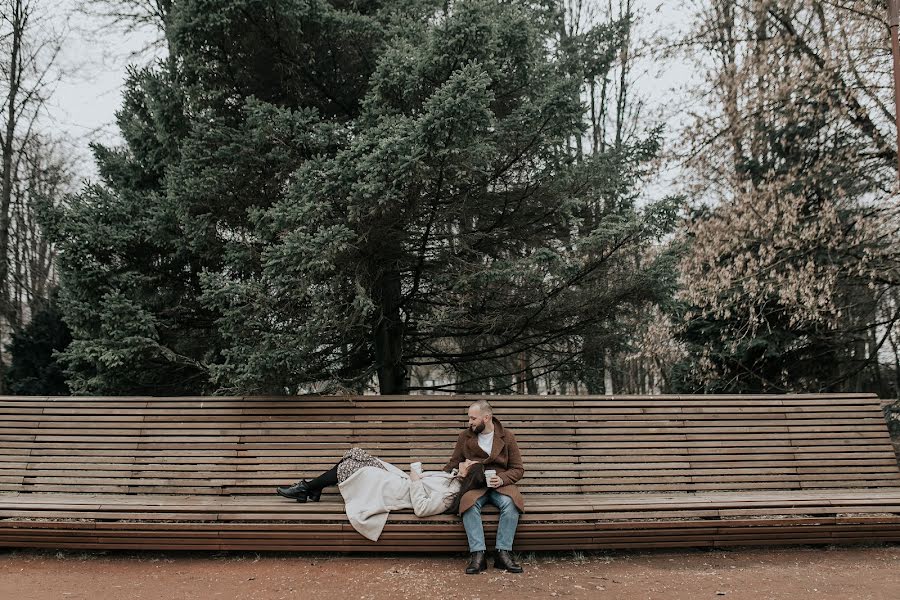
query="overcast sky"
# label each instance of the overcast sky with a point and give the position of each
(95, 58)
(93, 65)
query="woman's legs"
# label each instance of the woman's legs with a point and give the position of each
(305, 490)
(324, 480)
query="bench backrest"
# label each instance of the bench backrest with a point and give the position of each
(228, 445)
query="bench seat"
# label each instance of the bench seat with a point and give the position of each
(584, 521)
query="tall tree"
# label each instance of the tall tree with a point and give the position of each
(320, 192)
(129, 283)
(43, 179)
(29, 46)
(606, 37)
(447, 230)
(787, 269)
(132, 246)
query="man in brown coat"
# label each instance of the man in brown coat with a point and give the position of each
(486, 441)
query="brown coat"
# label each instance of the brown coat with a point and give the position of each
(505, 459)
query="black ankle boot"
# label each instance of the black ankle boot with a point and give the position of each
(505, 560)
(314, 495)
(299, 491)
(477, 563)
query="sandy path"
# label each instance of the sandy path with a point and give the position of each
(795, 573)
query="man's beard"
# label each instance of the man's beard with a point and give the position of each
(478, 428)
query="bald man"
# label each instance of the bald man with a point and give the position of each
(486, 441)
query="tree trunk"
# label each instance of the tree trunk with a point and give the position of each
(625, 58)
(389, 333)
(523, 373)
(17, 22)
(531, 383)
(607, 373)
(896, 366)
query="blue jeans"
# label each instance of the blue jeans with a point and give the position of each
(506, 530)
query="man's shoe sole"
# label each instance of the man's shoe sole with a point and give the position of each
(509, 570)
(518, 570)
(481, 570)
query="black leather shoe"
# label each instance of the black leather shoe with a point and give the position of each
(299, 491)
(505, 560)
(477, 563)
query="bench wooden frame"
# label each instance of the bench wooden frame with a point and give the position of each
(601, 472)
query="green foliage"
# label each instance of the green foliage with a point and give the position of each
(321, 192)
(33, 369)
(457, 185)
(129, 282)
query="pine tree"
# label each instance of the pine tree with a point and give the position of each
(34, 369)
(316, 192)
(129, 276)
(449, 228)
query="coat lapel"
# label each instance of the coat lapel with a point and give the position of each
(497, 446)
(499, 440)
(474, 450)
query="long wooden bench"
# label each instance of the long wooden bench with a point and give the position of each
(601, 472)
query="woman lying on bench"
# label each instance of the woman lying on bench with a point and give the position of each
(372, 488)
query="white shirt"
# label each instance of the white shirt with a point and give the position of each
(486, 441)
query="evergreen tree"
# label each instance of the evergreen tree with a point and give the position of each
(129, 275)
(449, 227)
(34, 370)
(315, 191)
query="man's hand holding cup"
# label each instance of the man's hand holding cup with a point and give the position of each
(492, 480)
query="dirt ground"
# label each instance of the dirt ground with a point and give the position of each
(748, 573)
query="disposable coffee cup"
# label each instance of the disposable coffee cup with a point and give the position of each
(417, 467)
(488, 474)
